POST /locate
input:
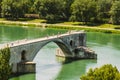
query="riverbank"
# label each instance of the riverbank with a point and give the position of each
(39, 23)
(89, 29)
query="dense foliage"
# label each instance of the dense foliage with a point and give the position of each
(97, 11)
(5, 69)
(115, 12)
(83, 10)
(14, 8)
(0, 7)
(106, 72)
(50, 9)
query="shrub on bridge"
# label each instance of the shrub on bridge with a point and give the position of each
(106, 72)
(5, 69)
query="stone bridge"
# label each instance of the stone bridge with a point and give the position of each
(71, 44)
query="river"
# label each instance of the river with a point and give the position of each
(49, 67)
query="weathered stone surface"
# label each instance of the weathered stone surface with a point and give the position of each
(26, 50)
(26, 67)
(80, 53)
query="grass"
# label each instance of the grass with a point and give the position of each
(85, 28)
(117, 27)
(80, 24)
(23, 22)
(29, 20)
(72, 23)
(109, 26)
(106, 28)
(37, 21)
(3, 19)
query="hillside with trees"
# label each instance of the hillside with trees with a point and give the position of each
(94, 11)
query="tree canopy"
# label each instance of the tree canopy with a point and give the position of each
(115, 12)
(14, 8)
(106, 72)
(5, 69)
(50, 9)
(97, 11)
(83, 10)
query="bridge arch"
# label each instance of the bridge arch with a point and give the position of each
(66, 49)
(27, 52)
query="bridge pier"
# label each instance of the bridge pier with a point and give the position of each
(26, 67)
(23, 68)
(79, 53)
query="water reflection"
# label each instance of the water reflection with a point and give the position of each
(72, 70)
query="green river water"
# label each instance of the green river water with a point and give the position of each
(49, 67)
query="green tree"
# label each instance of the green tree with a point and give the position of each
(115, 12)
(14, 8)
(0, 7)
(5, 69)
(51, 10)
(106, 72)
(103, 9)
(67, 11)
(29, 4)
(83, 10)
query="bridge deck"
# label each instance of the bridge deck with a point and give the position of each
(25, 41)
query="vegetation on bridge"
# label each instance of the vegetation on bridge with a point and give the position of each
(106, 72)
(5, 68)
(86, 11)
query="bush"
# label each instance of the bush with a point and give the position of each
(5, 69)
(106, 72)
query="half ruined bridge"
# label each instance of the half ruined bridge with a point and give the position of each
(71, 44)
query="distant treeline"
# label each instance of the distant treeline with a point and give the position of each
(96, 11)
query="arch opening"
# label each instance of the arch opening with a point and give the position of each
(66, 49)
(71, 43)
(23, 55)
(46, 61)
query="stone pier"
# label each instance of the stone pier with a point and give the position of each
(26, 67)
(80, 53)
